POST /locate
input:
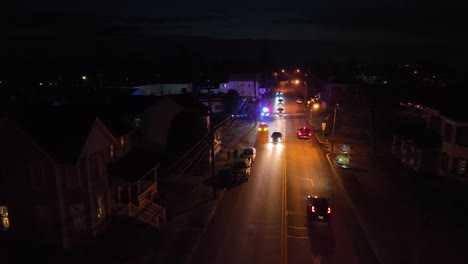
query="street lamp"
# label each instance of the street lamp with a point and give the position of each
(314, 106)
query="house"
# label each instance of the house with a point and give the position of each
(66, 175)
(133, 172)
(247, 85)
(156, 119)
(439, 148)
(55, 186)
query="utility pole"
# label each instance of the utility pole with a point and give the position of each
(211, 138)
(333, 128)
(305, 92)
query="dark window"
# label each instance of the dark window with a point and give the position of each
(461, 137)
(448, 132)
(444, 162)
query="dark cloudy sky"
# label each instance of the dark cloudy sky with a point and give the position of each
(376, 30)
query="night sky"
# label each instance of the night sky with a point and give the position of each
(374, 31)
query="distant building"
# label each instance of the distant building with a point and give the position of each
(246, 85)
(164, 89)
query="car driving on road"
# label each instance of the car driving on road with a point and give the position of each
(276, 137)
(318, 209)
(280, 111)
(262, 127)
(304, 133)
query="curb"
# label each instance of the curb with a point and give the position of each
(351, 205)
(194, 249)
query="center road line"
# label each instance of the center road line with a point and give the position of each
(284, 224)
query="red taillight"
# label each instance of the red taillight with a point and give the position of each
(312, 209)
(329, 210)
(299, 133)
(310, 134)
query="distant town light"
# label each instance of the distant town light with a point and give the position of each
(83, 77)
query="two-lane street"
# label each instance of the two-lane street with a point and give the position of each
(263, 220)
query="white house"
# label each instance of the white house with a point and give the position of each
(247, 85)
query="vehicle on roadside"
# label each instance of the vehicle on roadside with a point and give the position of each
(318, 209)
(304, 132)
(250, 152)
(276, 137)
(240, 170)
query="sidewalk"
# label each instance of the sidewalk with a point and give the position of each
(190, 203)
(400, 211)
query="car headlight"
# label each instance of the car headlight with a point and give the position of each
(279, 139)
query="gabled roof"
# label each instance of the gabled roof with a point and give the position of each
(60, 131)
(117, 112)
(188, 101)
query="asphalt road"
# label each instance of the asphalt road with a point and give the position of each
(263, 220)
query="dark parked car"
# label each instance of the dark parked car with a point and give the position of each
(318, 209)
(241, 169)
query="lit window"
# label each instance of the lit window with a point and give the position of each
(122, 143)
(100, 208)
(5, 221)
(111, 151)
